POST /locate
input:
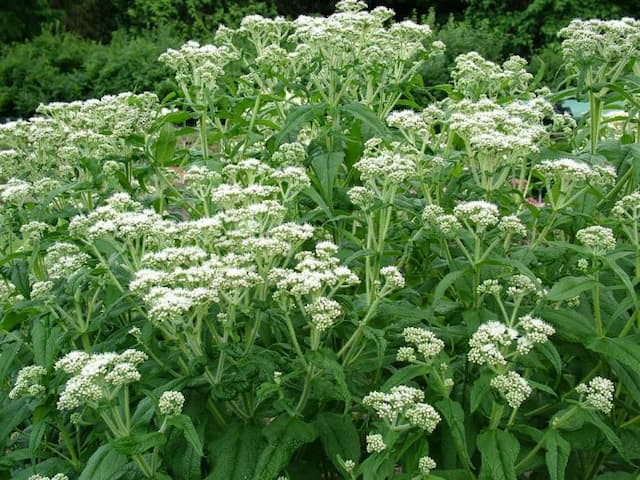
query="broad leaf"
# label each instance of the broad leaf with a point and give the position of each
(557, 455)
(499, 454)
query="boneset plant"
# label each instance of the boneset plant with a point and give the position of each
(326, 279)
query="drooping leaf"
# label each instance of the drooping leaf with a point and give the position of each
(165, 146)
(235, 454)
(138, 443)
(499, 452)
(369, 119)
(339, 437)
(557, 454)
(285, 435)
(454, 416)
(569, 287)
(184, 423)
(105, 464)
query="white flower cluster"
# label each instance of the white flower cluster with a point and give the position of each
(28, 382)
(122, 218)
(34, 230)
(627, 209)
(493, 340)
(512, 387)
(489, 341)
(64, 260)
(474, 76)
(422, 340)
(599, 239)
(392, 276)
(435, 217)
(171, 403)
(521, 285)
(57, 476)
(375, 443)
(513, 225)
(403, 403)
(387, 165)
(568, 171)
(503, 131)
(198, 65)
(192, 278)
(480, 213)
(600, 42)
(15, 191)
(64, 133)
(362, 197)
(535, 331)
(491, 287)
(8, 292)
(598, 394)
(323, 311)
(426, 464)
(313, 272)
(96, 377)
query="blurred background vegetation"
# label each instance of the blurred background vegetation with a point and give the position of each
(62, 50)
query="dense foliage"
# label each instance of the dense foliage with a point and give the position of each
(128, 30)
(304, 264)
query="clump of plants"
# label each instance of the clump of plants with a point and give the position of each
(295, 269)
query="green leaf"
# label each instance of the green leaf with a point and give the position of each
(9, 352)
(44, 337)
(339, 437)
(570, 324)
(104, 464)
(235, 454)
(481, 390)
(165, 145)
(296, 118)
(285, 435)
(138, 443)
(499, 452)
(610, 435)
(403, 375)
(325, 166)
(557, 455)
(327, 361)
(454, 416)
(182, 461)
(185, 424)
(625, 350)
(368, 118)
(569, 287)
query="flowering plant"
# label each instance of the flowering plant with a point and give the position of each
(326, 279)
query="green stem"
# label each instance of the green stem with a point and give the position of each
(596, 305)
(496, 415)
(66, 438)
(545, 230)
(203, 136)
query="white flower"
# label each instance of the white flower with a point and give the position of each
(487, 341)
(425, 341)
(482, 214)
(599, 239)
(375, 443)
(426, 464)
(599, 394)
(512, 387)
(392, 277)
(28, 382)
(171, 403)
(323, 311)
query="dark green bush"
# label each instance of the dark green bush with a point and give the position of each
(130, 63)
(460, 36)
(47, 68)
(529, 25)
